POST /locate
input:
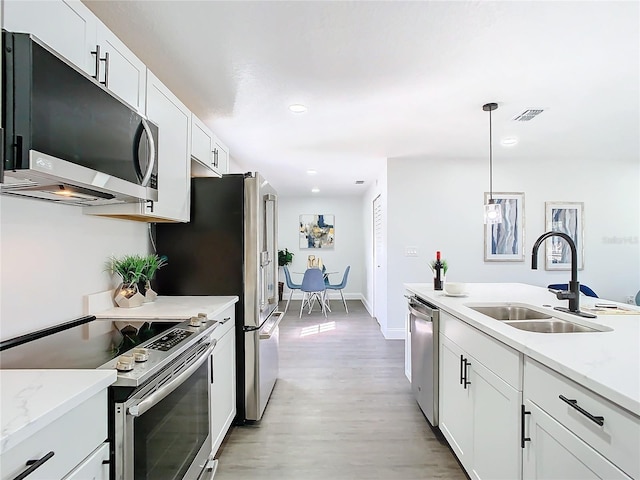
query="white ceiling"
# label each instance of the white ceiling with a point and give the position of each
(393, 79)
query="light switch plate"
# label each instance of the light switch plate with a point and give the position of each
(410, 251)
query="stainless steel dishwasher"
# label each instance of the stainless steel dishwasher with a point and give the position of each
(424, 325)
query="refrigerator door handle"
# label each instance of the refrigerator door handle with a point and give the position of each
(270, 325)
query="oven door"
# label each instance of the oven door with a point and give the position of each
(163, 429)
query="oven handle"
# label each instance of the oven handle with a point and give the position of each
(155, 398)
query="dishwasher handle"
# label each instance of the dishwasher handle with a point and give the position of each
(419, 314)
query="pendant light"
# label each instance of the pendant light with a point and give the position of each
(492, 210)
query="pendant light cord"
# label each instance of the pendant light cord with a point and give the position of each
(490, 160)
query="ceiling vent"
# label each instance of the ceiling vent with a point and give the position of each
(527, 115)
(359, 182)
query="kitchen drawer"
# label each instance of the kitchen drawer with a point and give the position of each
(618, 439)
(496, 356)
(72, 438)
(226, 320)
(96, 467)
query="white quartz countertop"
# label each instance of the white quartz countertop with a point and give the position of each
(168, 307)
(32, 399)
(607, 363)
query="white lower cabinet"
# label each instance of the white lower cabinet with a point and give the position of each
(574, 433)
(223, 387)
(63, 445)
(553, 452)
(479, 410)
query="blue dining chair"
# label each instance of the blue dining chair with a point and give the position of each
(290, 285)
(564, 286)
(313, 288)
(340, 286)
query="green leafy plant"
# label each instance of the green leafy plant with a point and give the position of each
(285, 257)
(445, 267)
(134, 269)
(153, 264)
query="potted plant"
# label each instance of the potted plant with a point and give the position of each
(136, 271)
(152, 264)
(285, 257)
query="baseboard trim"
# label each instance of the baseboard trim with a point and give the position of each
(393, 333)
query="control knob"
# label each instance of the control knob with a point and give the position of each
(125, 363)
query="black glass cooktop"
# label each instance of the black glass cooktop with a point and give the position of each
(85, 343)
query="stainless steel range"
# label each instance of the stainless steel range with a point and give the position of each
(159, 418)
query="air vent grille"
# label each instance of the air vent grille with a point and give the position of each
(527, 115)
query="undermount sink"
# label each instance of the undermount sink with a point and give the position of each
(551, 326)
(506, 313)
(530, 319)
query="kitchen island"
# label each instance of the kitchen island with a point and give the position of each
(525, 393)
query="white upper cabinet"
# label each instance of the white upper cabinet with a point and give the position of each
(120, 70)
(220, 156)
(67, 26)
(173, 119)
(202, 149)
(210, 154)
(74, 32)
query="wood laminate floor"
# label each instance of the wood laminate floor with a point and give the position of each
(341, 409)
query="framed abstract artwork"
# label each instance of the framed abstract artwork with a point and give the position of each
(316, 231)
(565, 217)
(504, 241)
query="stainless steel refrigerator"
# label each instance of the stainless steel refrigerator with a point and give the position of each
(229, 247)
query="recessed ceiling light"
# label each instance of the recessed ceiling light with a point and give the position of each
(311, 171)
(297, 108)
(315, 190)
(509, 141)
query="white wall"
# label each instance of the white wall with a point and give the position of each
(51, 256)
(437, 205)
(375, 298)
(349, 239)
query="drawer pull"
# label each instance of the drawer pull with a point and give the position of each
(34, 465)
(574, 403)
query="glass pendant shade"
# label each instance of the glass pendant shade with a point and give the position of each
(492, 213)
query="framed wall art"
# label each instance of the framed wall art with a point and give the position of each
(565, 217)
(317, 231)
(504, 242)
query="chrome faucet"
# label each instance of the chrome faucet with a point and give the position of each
(573, 294)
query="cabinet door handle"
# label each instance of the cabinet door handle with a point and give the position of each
(96, 52)
(522, 437)
(215, 157)
(33, 465)
(466, 382)
(226, 319)
(462, 370)
(106, 69)
(574, 403)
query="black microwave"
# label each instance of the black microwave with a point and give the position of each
(66, 137)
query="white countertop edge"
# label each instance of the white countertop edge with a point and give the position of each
(32, 399)
(172, 307)
(629, 403)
